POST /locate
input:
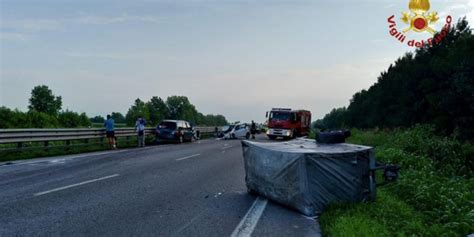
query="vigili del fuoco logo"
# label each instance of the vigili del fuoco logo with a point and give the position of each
(419, 20)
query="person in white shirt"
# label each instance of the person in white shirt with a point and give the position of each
(140, 128)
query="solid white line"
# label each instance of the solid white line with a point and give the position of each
(75, 185)
(187, 157)
(250, 220)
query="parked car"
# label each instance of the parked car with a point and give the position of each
(239, 131)
(174, 131)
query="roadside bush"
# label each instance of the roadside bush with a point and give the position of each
(36, 119)
(11, 118)
(447, 153)
(450, 157)
(435, 181)
(69, 119)
(404, 159)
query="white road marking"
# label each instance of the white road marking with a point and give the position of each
(187, 157)
(227, 147)
(75, 185)
(250, 220)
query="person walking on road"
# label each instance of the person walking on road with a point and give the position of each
(109, 125)
(253, 129)
(140, 128)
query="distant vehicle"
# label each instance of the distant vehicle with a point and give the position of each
(238, 131)
(224, 130)
(261, 128)
(174, 131)
(288, 123)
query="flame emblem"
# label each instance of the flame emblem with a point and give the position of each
(419, 18)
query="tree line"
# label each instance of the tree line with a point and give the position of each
(434, 85)
(45, 111)
(156, 110)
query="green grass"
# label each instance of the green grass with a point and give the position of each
(57, 148)
(35, 149)
(433, 196)
(385, 217)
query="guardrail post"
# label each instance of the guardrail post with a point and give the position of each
(68, 143)
(46, 145)
(19, 145)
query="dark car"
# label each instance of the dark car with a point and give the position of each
(174, 131)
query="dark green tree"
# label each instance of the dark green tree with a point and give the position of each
(118, 117)
(97, 119)
(139, 108)
(434, 85)
(43, 100)
(179, 107)
(158, 110)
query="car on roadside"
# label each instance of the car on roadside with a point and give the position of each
(178, 131)
(238, 131)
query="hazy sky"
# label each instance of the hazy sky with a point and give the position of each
(236, 58)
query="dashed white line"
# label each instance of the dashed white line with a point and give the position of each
(75, 185)
(226, 147)
(187, 157)
(250, 220)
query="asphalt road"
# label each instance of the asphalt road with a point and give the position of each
(195, 189)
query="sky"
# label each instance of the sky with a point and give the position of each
(238, 58)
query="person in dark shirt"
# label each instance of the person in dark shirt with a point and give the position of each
(253, 129)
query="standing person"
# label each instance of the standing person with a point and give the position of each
(109, 125)
(253, 129)
(140, 128)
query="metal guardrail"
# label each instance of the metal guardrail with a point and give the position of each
(20, 136)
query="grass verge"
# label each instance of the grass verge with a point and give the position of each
(433, 196)
(35, 150)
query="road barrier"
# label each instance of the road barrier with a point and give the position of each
(45, 136)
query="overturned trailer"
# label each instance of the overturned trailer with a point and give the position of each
(307, 176)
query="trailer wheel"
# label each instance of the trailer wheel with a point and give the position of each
(251, 192)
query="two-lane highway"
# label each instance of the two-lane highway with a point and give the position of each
(195, 189)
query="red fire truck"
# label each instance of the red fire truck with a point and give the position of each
(288, 123)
